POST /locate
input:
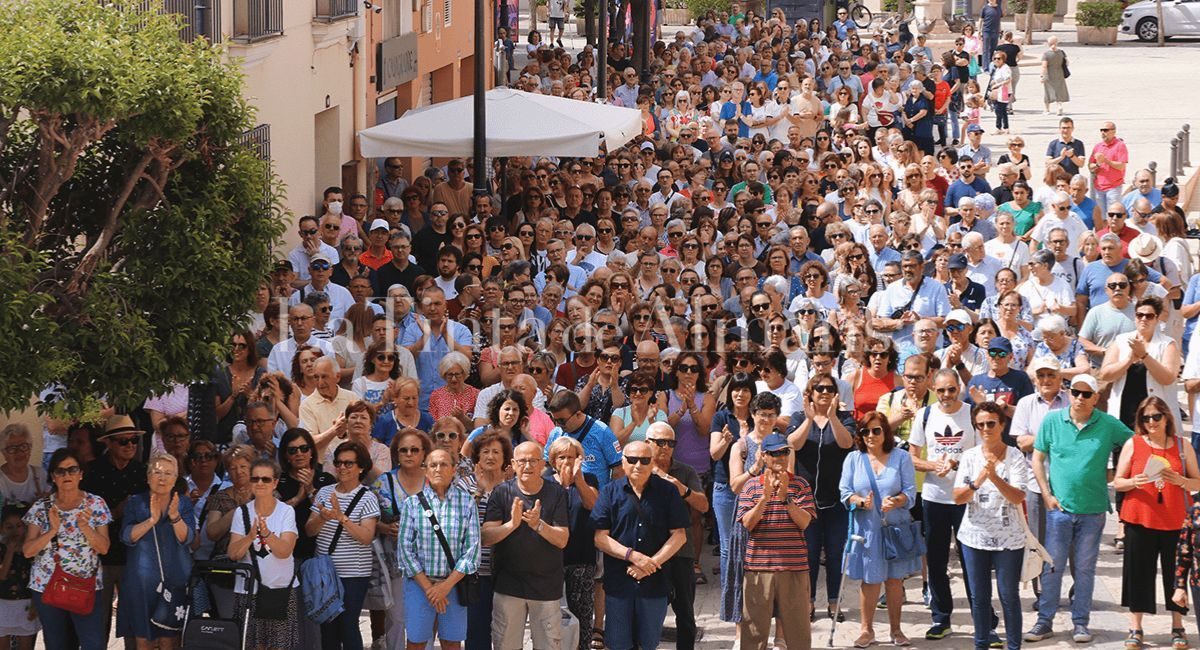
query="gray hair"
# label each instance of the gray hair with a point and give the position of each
(1110, 237)
(971, 238)
(393, 202)
(673, 223)
(454, 360)
(16, 428)
(1045, 257)
(347, 239)
(778, 284)
(316, 298)
(1052, 323)
(965, 202)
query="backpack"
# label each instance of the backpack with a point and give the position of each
(322, 587)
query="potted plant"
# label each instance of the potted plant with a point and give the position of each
(1096, 21)
(543, 11)
(677, 12)
(1043, 13)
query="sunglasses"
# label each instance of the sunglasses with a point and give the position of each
(1085, 394)
(310, 232)
(662, 442)
(124, 442)
(1117, 286)
(320, 266)
(60, 472)
(385, 357)
(638, 460)
(1151, 417)
(268, 479)
(408, 451)
(870, 432)
(687, 368)
(825, 388)
(998, 354)
(446, 435)
(987, 425)
(299, 449)
(202, 458)
(345, 463)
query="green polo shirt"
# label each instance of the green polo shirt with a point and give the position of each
(1079, 458)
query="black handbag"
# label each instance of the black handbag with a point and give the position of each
(269, 603)
(467, 588)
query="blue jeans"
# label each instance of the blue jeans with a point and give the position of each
(954, 132)
(479, 617)
(828, 531)
(941, 526)
(724, 502)
(342, 632)
(57, 624)
(1001, 114)
(978, 566)
(633, 619)
(1077, 536)
(990, 41)
(1105, 197)
(939, 123)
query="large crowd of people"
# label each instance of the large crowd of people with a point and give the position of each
(806, 321)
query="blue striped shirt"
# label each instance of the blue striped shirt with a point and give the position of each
(418, 549)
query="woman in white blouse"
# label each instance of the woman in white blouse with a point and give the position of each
(991, 480)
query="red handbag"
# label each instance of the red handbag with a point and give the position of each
(69, 592)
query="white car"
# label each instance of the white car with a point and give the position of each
(1181, 17)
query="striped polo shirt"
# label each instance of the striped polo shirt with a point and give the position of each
(776, 543)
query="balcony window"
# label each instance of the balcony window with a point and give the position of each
(256, 20)
(331, 10)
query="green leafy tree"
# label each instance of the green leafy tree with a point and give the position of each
(135, 227)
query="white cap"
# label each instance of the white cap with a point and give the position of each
(380, 224)
(1086, 380)
(1045, 363)
(959, 316)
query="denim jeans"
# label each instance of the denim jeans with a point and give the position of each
(939, 123)
(57, 624)
(1001, 114)
(941, 526)
(990, 41)
(723, 504)
(343, 631)
(1077, 536)
(633, 620)
(1104, 198)
(828, 531)
(954, 132)
(479, 617)
(978, 566)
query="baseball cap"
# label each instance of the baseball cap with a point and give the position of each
(774, 442)
(1045, 363)
(647, 145)
(319, 256)
(1000, 343)
(974, 128)
(284, 265)
(380, 224)
(959, 316)
(1086, 380)
(957, 261)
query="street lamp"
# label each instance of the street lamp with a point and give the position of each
(480, 176)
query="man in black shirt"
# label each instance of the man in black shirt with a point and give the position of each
(526, 523)
(115, 476)
(429, 240)
(400, 270)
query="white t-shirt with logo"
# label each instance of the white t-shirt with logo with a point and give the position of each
(275, 571)
(942, 435)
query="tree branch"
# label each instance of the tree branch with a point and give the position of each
(57, 156)
(87, 265)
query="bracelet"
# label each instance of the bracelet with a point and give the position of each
(688, 493)
(628, 553)
(176, 520)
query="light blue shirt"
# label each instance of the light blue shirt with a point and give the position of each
(436, 347)
(1154, 197)
(931, 300)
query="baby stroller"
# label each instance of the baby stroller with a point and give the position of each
(211, 633)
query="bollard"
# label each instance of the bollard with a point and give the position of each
(1187, 145)
(1152, 167)
(1174, 157)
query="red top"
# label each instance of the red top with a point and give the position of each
(776, 543)
(1151, 506)
(870, 389)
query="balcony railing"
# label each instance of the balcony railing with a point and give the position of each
(256, 20)
(330, 10)
(201, 18)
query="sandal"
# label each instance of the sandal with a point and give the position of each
(701, 579)
(841, 616)
(1135, 640)
(864, 640)
(1119, 543)
(1179, 639)
(597, 640)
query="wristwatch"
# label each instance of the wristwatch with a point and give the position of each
(971, 484)
(539, 527)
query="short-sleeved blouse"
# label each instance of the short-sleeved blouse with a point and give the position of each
(442, 401)
(78, 557)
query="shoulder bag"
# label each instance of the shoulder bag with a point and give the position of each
(1066, 70)
(467, 588)
(322, 587)
(900, 542)
(170, 603)
(269, 604)
(1036, 555)
(66, 591)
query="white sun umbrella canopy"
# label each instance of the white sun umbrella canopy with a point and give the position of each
(518, 124)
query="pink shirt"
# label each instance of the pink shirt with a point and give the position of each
(1108, 177)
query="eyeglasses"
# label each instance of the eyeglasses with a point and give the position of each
(310, 232)
(998, 354)
(638, 460)
(870, 432)
(611, 358)
(825, 388)
(299, 449)
(1118, 285)
(268, 479)
(1084, 394)
(662, 442)
(1151, 417)
(987, 425)
(806, 312)
(687, 368)
(60, 472)
(438, 213)
(320, 266)
(955, 327)
(124, 442)
(1145, 315)
(1116, 215)
(202, 457)
(345, 463)
(760, 307)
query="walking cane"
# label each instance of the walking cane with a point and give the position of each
(842, 586)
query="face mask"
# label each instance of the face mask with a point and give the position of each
(335, 207)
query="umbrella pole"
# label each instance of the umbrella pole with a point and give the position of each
(602, 57)
(480, 175)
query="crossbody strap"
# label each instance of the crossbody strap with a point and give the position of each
(437, 529)
(874, 486)
(337, 534)
(254, 557)
(392, 490)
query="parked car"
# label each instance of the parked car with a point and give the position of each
(1181, 18)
